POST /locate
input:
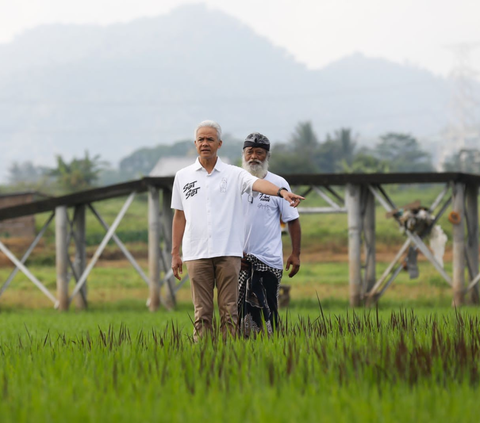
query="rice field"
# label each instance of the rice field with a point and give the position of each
(414, 359)
(324, 364)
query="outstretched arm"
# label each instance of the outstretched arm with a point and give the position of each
(178, 228)
(295, 237)
(266, 187)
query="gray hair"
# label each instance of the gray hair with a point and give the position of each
(210, 124)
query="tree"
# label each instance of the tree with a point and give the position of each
(338, 150)
(142, 161)
(304, 138)
(284, 161)
(403, 153)
(304, 143)
(465, 160)
(79, 174)
(27, 176)
(298, 155)
(365, 162)
(24, 172)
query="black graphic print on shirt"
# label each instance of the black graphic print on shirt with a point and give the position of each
(190, 190)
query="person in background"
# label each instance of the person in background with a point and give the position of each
(262, 263)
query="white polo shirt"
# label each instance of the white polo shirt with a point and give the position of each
(263, 237)
(212, 204)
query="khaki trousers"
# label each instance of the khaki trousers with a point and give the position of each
(205, 274)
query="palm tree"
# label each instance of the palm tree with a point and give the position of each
(79, 174)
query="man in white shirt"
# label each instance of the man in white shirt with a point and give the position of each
(207, 198)
(262, 265)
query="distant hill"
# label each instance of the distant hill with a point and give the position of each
(142, 161)
(113, 89)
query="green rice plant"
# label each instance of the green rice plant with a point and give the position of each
(331, 365)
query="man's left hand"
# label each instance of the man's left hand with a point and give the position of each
(293, 262)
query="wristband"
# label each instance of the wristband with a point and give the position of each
(279, 190)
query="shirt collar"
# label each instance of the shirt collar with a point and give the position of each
(219, 166)
(198, 165)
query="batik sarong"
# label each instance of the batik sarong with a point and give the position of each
(258, 297)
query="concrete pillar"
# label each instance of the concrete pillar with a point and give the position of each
(154, 247)
(80, 261)
(458, 233)
(369, 237)
(352, 200)
(471, 211)
(61, 239)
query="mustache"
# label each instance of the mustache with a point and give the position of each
(255, 161)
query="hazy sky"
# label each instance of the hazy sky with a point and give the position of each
(315, 32)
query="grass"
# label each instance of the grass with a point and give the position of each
(117, 281)
(412, 359)
(117, 362)
(329, 365)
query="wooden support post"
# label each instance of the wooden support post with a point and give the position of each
(80, 260)
(353, 199)
(61, 237)
(167, 220)
(154, 247)
(471, 211)
(369, 237)
(458, 233)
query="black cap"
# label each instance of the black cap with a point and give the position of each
(257, 140)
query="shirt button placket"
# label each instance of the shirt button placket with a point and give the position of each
(209, 218)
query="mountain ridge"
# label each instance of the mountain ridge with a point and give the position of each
(111, 89)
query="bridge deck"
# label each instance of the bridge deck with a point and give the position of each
(141, 185)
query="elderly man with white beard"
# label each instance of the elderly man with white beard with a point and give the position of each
(262, 264)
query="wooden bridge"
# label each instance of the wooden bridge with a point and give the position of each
(360, 195)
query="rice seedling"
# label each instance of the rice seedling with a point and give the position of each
(333, 365)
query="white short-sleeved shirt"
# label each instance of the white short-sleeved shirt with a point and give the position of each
(212, 204)
(263, 237)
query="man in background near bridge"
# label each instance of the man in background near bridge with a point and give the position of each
(262, 264)
(208, 223)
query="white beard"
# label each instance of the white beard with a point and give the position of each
(258, 169)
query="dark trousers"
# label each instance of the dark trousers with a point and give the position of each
(259, 302)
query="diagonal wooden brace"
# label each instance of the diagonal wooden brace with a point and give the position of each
(414, 239)
(120, 245)
(27, 253)
(27, 273)
(102, 245)
(322, 194)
